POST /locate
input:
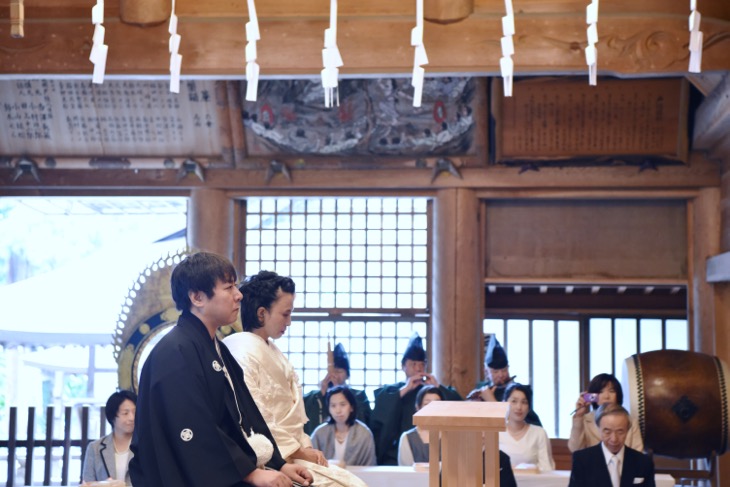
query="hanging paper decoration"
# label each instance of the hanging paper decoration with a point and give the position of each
(331, 60)
(252, 68)
(99, 50)
(695, 39)
(506, 64)
(419, 57)
(17, 19)
(175, 58)
(592, 34)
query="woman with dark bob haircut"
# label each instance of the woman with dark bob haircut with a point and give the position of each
(108, 457)
(343, 439)
(603, 389)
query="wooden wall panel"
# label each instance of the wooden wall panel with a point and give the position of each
(586, 239)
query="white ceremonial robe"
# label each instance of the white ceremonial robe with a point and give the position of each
(274, 385)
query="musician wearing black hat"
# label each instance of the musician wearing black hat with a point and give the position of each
(395, 404)
(314, 402)
(496, 370)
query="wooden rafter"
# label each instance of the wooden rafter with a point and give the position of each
(373, 39)
(698, 174)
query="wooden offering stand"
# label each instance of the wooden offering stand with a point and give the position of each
(466, 429)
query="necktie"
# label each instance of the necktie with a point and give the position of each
(613, 471)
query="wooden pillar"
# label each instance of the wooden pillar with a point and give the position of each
(145, 12)
(725, 206)
(722, 300)
(722, 289)
(457, 290)
(704, 242)
(210, 221)
(706, 308)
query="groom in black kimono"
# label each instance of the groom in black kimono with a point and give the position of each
(611, 463)
(196, 422)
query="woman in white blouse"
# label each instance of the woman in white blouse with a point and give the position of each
(524, 443)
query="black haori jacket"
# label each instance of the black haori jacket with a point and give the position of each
(186, 431)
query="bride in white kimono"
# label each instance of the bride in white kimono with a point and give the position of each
(266, 308)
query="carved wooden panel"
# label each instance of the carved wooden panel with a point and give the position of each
(375, 118)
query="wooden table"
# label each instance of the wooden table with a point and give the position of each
(387, 476)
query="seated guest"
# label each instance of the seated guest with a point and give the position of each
(344, 440)
(107, 458)
(584, 432)
(611, 463)
(314, 403)
(396, 403)
(524, 443)
(413, 444)
(496, 370)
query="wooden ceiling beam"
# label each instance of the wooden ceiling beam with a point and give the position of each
(630, 45)
(698, 174)
(268, 9)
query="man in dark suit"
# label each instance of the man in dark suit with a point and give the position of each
(611, 463)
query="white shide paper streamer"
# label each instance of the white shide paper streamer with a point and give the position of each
(175, 58)
(419, 57)
(331, 60)
(99, 50)
(592, 35)
(695, 39)
(252, 68)
(506, 64)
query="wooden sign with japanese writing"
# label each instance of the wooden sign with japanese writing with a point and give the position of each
(71, 118)
(559, 118)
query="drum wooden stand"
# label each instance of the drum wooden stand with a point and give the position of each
(682, 474)
(465, 429)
